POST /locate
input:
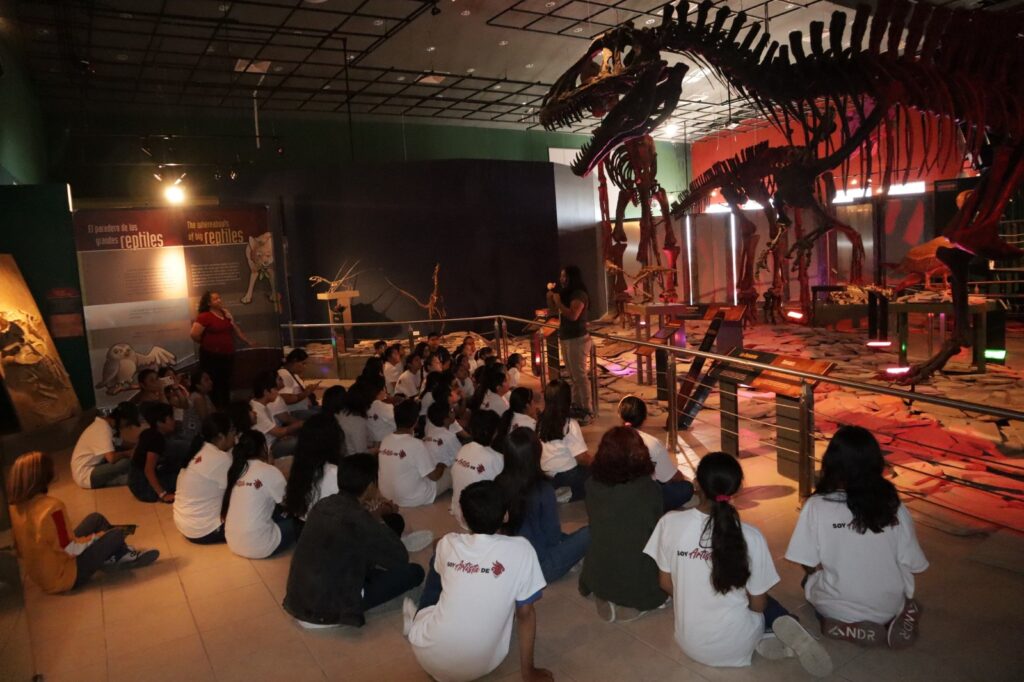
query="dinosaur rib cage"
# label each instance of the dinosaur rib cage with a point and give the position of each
(753, 166)
(910, 59)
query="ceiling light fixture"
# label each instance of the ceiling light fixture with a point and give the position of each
(470, 70)
(550, 3)
(578, 29)
(431, 48)
(529, 66)
(650, 21)
(503, 43)
(174, 194)
(378, 22)
(401, 78)
(465, 13)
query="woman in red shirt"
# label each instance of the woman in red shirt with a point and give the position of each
(215, 330)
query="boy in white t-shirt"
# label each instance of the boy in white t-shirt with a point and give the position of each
(410, 381)
(408, 475)
(477, 460)
(859, 547)
(96, 462)
(380, 417)
(280, 437)
(721, 601)
(440, 440)
(393, 367)
(477, 584)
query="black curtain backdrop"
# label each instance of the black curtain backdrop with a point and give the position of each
(492, 225)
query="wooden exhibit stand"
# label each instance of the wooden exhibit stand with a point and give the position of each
(334, 299)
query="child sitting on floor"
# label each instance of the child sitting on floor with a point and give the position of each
(438, 436)
(408, 474)
(675, 489)
(56, 559)
(154, 473)
(476, 584)
(201, 484)
(719, 571)
(514, 367)
(565, 458)
(347, 561)
(477, 460)
(857, 544)
(523, 408)
(253, 525)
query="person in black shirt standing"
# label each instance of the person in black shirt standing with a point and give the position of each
(572, 302)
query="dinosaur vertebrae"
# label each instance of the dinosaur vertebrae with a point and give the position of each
(959, 64)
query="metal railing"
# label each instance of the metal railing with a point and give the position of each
(804, 453)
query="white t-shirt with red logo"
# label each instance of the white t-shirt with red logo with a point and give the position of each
(495, 403)
(711, 628)
(265, 421)
(863, 576)
(249, 527)
(404, 466)
(466, 634)
(560, 455)
(200, 492)
(381, 420)
(474, 463)
(442, 443)
(357, 432)
(523, 420)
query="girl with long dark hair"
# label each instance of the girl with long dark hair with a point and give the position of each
(623, 504)
(299, 396)
(533, 508)
(720, 570)
(314, 473)
(353, 419)
(215, 330)
(858, 546)
(201, 484)
(564, 458)
(253, 526)
(495, 387)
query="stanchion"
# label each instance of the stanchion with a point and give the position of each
(593, 379)
(291, 335)
(497, 341)
(673, 407)
(504, 337)
(543, 351)
(805, 461)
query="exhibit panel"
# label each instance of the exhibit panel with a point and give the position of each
(143, 272)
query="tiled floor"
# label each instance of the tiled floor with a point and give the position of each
(201, 613)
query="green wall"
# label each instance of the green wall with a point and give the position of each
(22, 145)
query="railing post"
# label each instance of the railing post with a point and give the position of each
(593, 379)
(497, 341)
(805, 460)
(673, 406)
(543, 350)
(504, 337)
(291, 334)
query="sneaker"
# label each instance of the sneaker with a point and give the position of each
(626, 614)
(135, 558)
(606, 610)
(813, 657)
(772, 648)
(902, 630)
(863, 633)
(417, 540)
(408, 615)
(563, 494)
(577, 567)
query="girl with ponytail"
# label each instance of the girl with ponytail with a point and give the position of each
(857, 544)
(254, 526)
(201, 484)
(719, 571)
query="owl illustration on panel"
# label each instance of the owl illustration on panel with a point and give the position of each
(123, 362)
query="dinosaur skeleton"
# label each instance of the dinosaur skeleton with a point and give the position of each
(344, 279)
(919, 61)
(434, 305)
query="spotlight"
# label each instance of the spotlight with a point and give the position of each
(175, 194)
(794, 315)
(896, 371)
(232, 174)
(879, 344)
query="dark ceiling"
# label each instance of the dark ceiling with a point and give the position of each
(476, 62)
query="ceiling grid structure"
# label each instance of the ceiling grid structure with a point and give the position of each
(464, 62)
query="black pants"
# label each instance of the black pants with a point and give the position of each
(95, 555)
(219, 366)
(382, 586)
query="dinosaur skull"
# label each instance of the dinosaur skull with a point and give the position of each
(623, 81)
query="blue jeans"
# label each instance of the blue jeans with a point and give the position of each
(431, 586)
(110, 474)
(213, 538)
(557, 560)
(772, 611)
(573, 478)
(111, 544)
(289, 532)
(676, 494)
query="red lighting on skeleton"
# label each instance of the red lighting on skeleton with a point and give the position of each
(794, 315)
(897, 371)
(879, 344)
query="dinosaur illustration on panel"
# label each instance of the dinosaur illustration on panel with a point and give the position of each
(899, 62)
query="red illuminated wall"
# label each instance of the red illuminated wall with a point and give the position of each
(938, 157)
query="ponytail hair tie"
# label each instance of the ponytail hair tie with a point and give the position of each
(627, 424)
(722, 498)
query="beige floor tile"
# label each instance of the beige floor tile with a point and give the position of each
(400, 664)
(52, 616)
(65, 654)
(239, 639)
(356, 649)
(85, 673)
(564, 625)
(151, 626)
(284, 661)
(238, 604)
(153, 587)
(617, 655)
(173, 660)
(204, 579)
